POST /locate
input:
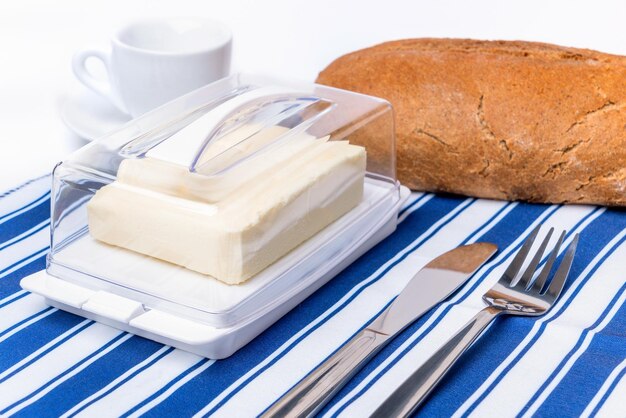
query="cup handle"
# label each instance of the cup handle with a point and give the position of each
(101, 87)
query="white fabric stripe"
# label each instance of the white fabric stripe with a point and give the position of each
(54, 363)
(412, 209)
(28, 250)
(115, 382)
(141, 386)
(491, 224)
(171, 390)
(4, 218)
(32, 399)
(301, 359)
(12, 296)
(25, 262)
(42, 349)
(613, 407)
(27, 324)
(7, 319)
(604, 389)
(24, 197)
(10, 242)
(557, 340)
(26, 306)
(18, 251)
(30, 243)
(412, 198)
(19, 310)
(454, 320)
(572, 360)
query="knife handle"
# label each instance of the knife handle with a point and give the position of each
(412, 392)
(315, 390)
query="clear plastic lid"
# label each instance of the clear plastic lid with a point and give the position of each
(215, 204)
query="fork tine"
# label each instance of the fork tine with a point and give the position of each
(516, 264)
(530, 270)
(543, 276)
(561, 274)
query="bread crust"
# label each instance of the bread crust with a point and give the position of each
(500, 119)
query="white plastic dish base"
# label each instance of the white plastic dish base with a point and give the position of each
(177, 290)
(184, 333)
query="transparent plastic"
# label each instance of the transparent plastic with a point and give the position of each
(212, 146)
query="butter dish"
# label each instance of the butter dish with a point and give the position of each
(201, 223)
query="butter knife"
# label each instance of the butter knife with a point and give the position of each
(432, 284)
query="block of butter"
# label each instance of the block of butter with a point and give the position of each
(233, 225)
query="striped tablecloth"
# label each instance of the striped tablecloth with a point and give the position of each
(569, 362)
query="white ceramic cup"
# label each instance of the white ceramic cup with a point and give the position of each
(154, 61)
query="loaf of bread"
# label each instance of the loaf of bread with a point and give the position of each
(500, 119)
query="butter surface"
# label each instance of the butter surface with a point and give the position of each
(233, 225)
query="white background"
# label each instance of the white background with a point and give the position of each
(292, 38)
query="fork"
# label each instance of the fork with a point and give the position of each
(527, 296)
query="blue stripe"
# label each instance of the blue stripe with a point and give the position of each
(474, 237)
(135, 373)
(25, 221)
(6, 269)
(7, 244)
(165, 388)
(92, 379)
(334, 352)
(198, 392)
(23, 321)
(65, 373)
(609, 391)
(13, 212)
(578, 344)
(10, 284)
(581, 383)
(10, 301)
(497, 235)
(30, 339)
(617, 223)
(412, 204)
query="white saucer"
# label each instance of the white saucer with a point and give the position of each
(89, 115)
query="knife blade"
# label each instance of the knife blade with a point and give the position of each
(432, 284)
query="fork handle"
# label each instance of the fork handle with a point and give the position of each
(406, 398)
